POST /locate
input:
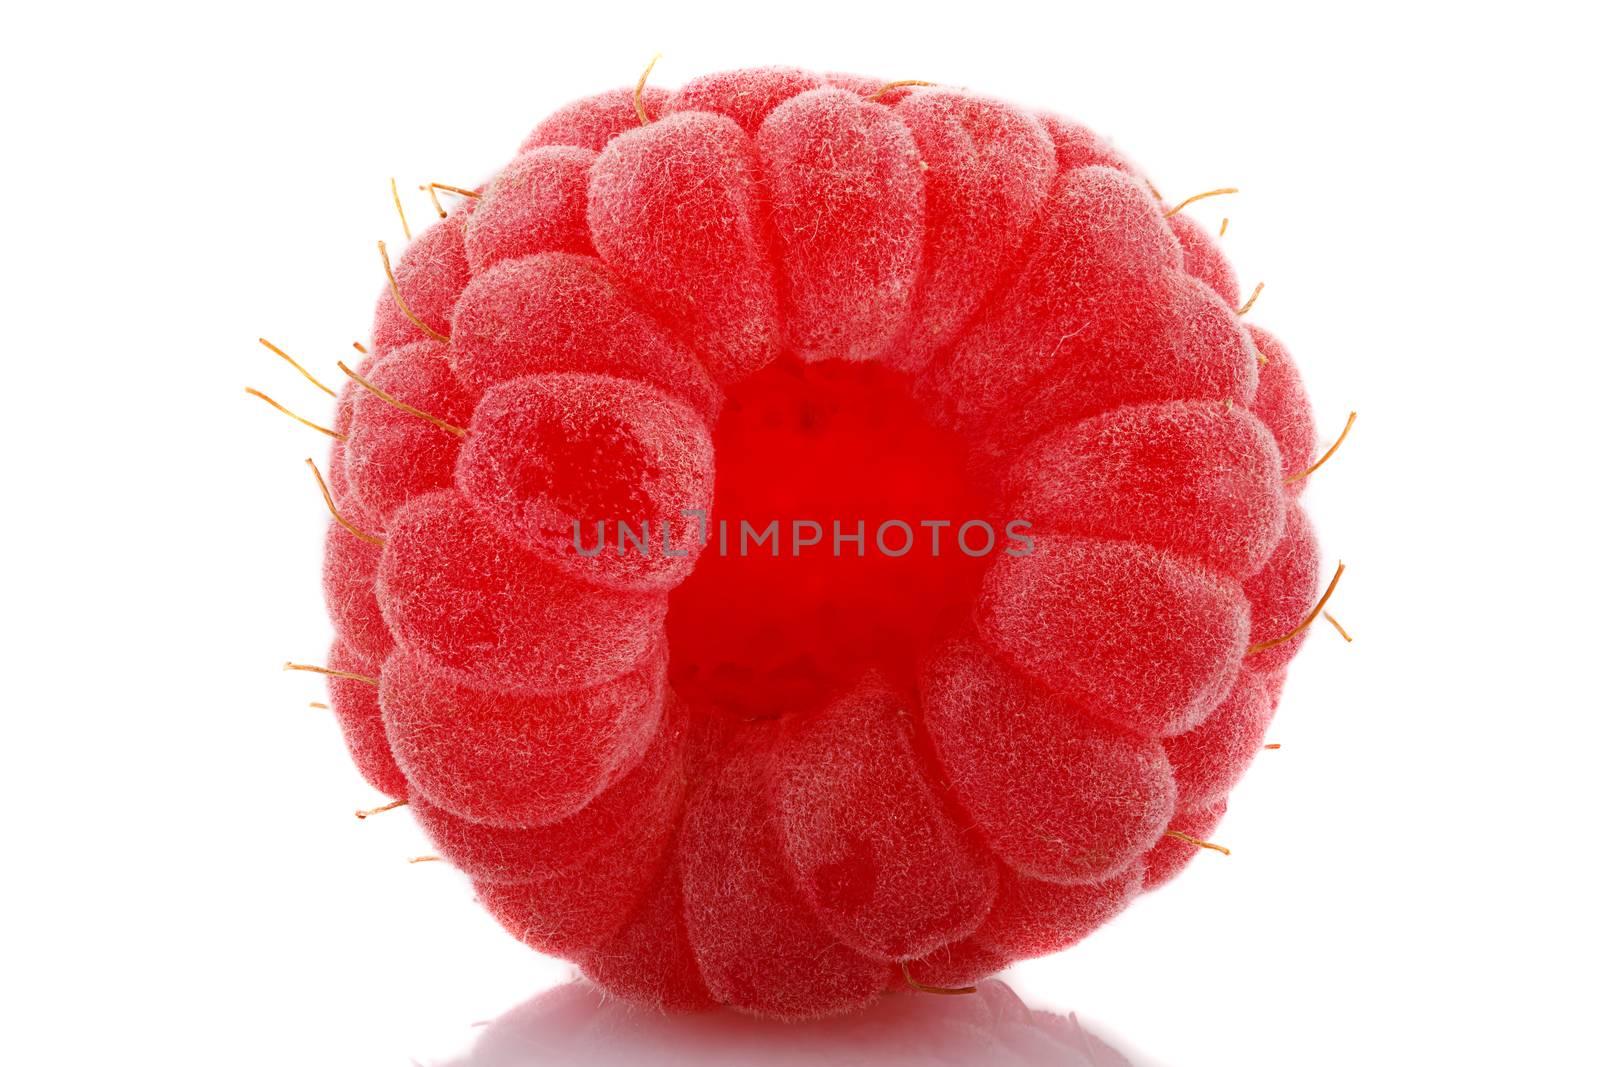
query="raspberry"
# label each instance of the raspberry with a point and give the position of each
(1189, 347)
(642, 803)
(865, 85)
(988, 170)
(571, 911)
(745, 96)
(1198, 477)
(391, 455)
(1032, 917)
(1135, 635)
(566, 464)
(650, 960)
(561, 312)
(1282, 404)
(673, 207)
(822, 310)
(954, 967)
(1209, 760)
(516, 759)
(349, 577)
(846, 198)
(882, 865)
(1078, 146)
(1182, 842)
(1283, 590)
(428, 278)
(536, 204)
(592, 122)
(1203, 258)
(759, 945)
(1101, 258)
(484, 611)
(1111, 793)
(355, 704)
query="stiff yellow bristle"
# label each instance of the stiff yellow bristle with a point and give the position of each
(1198, 196)
(400, 302)
(1309, 619)
(291, 361)
(1335, 624)
(1197, 843)
(388, 398)
(638, 91)
(456, 189)
(901, 84)
(335, 434)
(327, 498)
(433, 194)
(943, 991)
(394, 190)
(369, 812)
(1248, 304)
(331, 672)
(1351, 421)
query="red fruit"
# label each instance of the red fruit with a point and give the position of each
(344, 408)
(560, 312)
(448, 582)
(1189, 347)
(1282, 404)
(1057, 795)
(516, 759)
(536, 204)
(1197, 477)
(594, 474)
(1078, 146)
(746, 96)
(1173, 853)
(675, 212)
(1130, 633)
(1209, 760)
(759, 946)
(572, 911)
(1035, 918)
(954, 966)
(392, 455)
(1283, 592)
(1275, 681)
(355, 705)
(757, 633)
(869, 86)
(1100, 270)
(876, 857)
(641, 804)
(1203, 258)
(430, 275)
(989, 167)
(349, 586)
(592, 122)
(888, 324)
(650, 961)
(845, 191)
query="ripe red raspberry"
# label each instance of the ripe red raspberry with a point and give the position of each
(886, 321)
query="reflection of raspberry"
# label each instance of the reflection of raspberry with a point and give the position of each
(790, 782)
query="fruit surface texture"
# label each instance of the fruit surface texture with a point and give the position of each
(837, 555)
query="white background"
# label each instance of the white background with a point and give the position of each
(1412, 872)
